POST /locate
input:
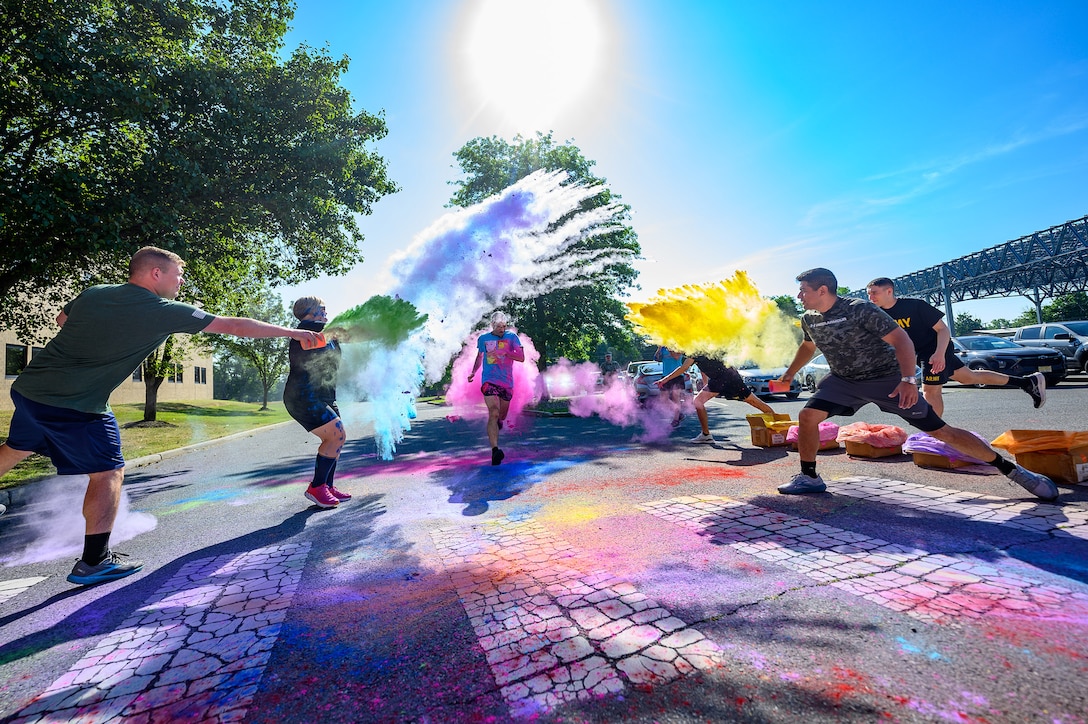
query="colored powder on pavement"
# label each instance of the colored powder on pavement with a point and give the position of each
(728, 320)
(381, 319)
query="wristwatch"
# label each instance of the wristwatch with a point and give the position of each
(912, 380)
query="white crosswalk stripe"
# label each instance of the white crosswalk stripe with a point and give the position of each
(928, 586)
(11, 589)
(1032, 515)
(195, 651)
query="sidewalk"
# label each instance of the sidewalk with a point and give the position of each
(13, 497)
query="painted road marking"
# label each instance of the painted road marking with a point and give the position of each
(555, 629)
(1026, 515)
(195, 651)
(11, 589)
(928, 586)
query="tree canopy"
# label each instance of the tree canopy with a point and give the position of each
(568, 322)
(177, 123)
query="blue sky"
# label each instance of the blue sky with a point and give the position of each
(870, 138)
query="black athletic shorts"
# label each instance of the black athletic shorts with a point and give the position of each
(951, 363)
(839, 396)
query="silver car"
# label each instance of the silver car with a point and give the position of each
(811, 374)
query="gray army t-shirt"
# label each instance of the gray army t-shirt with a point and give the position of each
(850, 335)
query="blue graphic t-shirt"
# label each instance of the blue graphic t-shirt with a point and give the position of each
(498, 367)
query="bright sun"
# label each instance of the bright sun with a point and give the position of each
(532, 59)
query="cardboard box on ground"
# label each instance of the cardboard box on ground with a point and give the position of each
(768, 430)
(1060, 455)
(865, 450)
(1061, 466)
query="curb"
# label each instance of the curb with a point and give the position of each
(14, 496)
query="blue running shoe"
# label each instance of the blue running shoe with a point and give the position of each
(115, 565)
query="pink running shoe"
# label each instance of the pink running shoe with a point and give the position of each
(339, 494)
(321, 497)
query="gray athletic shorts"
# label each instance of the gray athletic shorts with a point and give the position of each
(838, 396)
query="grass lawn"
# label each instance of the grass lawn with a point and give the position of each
(186, 424)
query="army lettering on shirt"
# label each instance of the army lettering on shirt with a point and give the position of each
(850, 335)
(917, 317)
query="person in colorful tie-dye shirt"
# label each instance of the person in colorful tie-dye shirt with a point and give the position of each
(497, 351)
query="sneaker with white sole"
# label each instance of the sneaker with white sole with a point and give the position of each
(1038, 485)
(114, 566)
(1037, 389)
(339, 494)
(801, 484)
(701, 438)
(321, 496)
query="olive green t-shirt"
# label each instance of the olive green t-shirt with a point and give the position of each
(109, 331)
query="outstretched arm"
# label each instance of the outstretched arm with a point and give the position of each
(688, 362)
(246, 327)
(804, 355)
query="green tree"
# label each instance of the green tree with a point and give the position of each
(235, 379)
(179, 124)
(790, 305)
(966, 323)
(568, 322)
(1067, 307)
(268, 357)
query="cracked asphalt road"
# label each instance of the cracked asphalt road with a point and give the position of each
(587, 578)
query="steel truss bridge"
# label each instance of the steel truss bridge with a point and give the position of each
(1038, 266)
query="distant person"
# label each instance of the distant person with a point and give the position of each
(676, 386)
(719, 380)
(872, 360)
(497, 351)
(609, 368)
(61, 398)
(932, 340)
(310, 398)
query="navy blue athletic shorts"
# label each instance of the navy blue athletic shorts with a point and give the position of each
(77, 442)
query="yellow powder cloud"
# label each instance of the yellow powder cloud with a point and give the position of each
(727, 319)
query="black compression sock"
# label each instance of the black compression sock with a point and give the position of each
(809, 469)
(95, 548)
(322, 470)
(1003, 465)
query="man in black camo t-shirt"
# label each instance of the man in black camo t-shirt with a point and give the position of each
(872, 361)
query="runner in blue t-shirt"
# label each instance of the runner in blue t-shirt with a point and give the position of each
(497, 350)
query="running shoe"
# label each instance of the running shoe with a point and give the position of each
(496, 456)
(801, 484)
(322, 497)
(701, 438)
(114, 566)
(1038, 485)
(1037, 389)
(339, 494)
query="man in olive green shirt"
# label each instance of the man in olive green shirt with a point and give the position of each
(62, 397)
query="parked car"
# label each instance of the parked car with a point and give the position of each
(811, 374)
(647, 373)
(1069, 338)
(758, 379)
(999, 354)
